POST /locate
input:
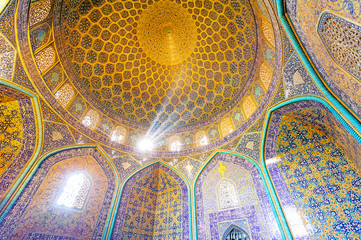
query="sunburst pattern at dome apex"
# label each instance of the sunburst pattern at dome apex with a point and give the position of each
(167, 33)
(179, 68)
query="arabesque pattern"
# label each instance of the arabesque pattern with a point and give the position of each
(324, 184)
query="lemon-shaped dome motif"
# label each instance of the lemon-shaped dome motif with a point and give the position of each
(178, 63)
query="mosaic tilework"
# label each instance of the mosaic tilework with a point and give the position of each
(253, 206)
(20, 77)
(7, 22)
(231, 146)
(189, 167)
(11, 131)
(7, 59)
(48, 113)
(80, 138)
(42, 214)
(297, 80)
(305, 15)
(324, 120)
(56, 136)
(54, 77)
(40, 36)
(39, 236)
(122, 60)
(126, 165)
(28, 141)
(250, 145)
(39, 10)
(128, 146)
(280, 94)
(287, 46)
(324, 183)
(28, 213)
(258, 125)
(346, 51)
(157, 198)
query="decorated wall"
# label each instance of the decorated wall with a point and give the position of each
(36, 212)
(231, 191)
(316, 177)
(154, 205)
(180, 119)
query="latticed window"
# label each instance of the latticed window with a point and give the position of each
(174, 143)
(75, 191)
(226, 126)
(201, 138)
(65, 94)
(118, 134)
(227, 194)
(91, 119)
(237, 234)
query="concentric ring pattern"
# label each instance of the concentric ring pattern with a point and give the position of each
(167, 62)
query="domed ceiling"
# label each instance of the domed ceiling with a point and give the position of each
(193, 72)
(158, 62)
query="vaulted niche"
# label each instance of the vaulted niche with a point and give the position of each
(314, 164)
(17, 139)
(230, 192)
(68, 197)
(154, 205)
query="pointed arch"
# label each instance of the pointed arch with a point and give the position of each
(115, 228)
(249, 163)
(31, 145)
(230, 228)
(311, 116)
(44, 165)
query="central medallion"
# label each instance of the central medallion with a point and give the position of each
(167, 33)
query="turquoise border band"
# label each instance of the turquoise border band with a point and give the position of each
(39, 140)
(270, 194)
(175, 171)
(37, 164)
(281, 14)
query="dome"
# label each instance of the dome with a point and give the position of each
(163, 69)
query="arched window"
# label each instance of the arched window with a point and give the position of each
(236, 233)
(75, 191)
(118, 134)
(227, 194)
(65, 94)
(201, 138)
(91, 119)
(174, 144)
(45, 58)
(226, 126)
(39, 10)
(342, 40)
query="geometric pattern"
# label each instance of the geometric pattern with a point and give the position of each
(181, 67)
